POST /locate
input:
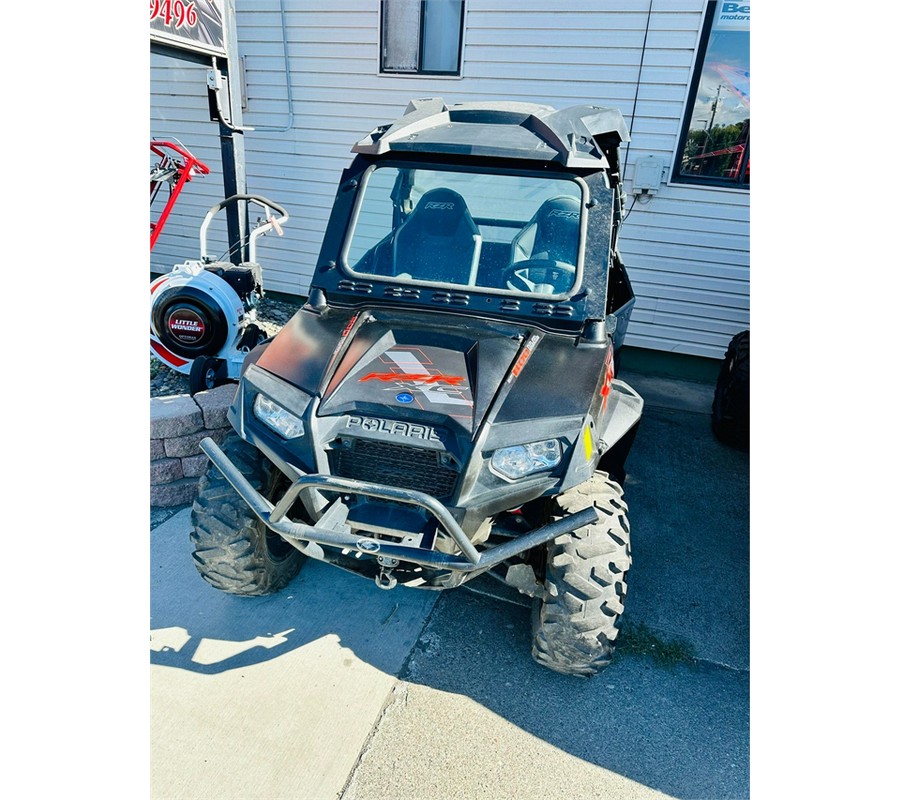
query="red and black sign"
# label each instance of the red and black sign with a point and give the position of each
(186, 325)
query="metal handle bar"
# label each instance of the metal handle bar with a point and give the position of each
(256, 232)
(156, 146)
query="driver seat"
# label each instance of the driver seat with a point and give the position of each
(552, 232)
(439, 240)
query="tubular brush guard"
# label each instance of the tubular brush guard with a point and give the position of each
(474, 561)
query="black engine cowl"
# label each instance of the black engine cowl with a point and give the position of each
(189, 322)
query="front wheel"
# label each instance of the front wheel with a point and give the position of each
(233, 550)
(206, 373)
(576, 624)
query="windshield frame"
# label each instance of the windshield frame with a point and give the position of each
(436, 166)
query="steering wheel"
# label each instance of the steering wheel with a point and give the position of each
(539, 275)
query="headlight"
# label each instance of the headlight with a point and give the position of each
(524, 459)
(283, 422)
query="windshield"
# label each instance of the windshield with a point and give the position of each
(498, 232)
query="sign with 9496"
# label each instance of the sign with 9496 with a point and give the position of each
(175, 13)
(190, 24)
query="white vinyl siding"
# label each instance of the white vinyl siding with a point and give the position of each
(179, 113)
(687, 250)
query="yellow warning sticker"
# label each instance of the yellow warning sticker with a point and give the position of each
(588, 445)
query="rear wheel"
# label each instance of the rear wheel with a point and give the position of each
(233, 550)
(731, 401)
(576, 624)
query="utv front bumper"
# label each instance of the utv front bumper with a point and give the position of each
(333, 531)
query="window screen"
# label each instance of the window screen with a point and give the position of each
(421, 37)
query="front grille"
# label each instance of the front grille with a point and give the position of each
(394, 465)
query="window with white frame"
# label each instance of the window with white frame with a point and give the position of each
(715, 140)
(421, 37)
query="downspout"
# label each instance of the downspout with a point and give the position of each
(287, 77)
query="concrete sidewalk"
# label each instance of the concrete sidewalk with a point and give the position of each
(334, 688)
(267, 697)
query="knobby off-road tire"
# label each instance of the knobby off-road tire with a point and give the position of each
(731, 401)
(233, 550)
(575, 626)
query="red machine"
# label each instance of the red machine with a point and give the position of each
(176, 167)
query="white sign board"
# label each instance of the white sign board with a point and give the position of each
(732, 15)
(194, 25)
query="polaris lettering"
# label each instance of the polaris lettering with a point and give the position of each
(408, 429)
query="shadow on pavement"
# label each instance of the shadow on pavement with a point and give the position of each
(689, 506)
(198, 628)
(682, 729)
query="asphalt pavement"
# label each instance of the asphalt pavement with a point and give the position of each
(336, 689)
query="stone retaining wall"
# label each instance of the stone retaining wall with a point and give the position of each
(177, 424)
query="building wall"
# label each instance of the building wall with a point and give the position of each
(179, 112)
(687, 250)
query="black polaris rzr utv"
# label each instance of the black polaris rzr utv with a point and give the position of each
(444, 405)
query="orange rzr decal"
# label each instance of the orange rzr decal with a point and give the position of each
(527, 350)
(523, 360)
(425, 378)
(607, 378)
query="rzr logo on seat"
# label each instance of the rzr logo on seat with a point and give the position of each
(559, 212)
(439, 206)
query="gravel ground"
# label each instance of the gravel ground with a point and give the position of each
(271, 317)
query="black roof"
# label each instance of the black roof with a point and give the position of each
(501, 130)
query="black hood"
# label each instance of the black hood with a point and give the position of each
(431, 368)
(435, 369)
